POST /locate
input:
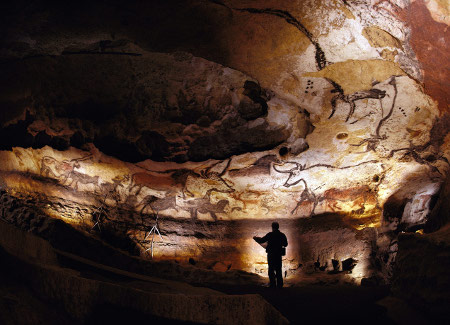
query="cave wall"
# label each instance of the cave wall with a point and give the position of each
(220, 117)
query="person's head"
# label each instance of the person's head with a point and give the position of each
(275, 226)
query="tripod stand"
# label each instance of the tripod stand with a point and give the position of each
(100, 211)
(152, 232)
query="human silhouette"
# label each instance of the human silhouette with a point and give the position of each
(276, 243)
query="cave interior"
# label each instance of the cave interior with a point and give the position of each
(143, 144)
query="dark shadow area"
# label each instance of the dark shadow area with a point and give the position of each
(111, 314)
(19, 305)
(315, 304)
(17, 135)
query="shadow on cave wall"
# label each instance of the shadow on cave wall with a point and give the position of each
(113, 314)
(163, 26)
(310, 250)
(17, 135)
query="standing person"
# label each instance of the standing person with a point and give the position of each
(276, 243)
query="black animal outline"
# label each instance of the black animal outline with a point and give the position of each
(414, 152)
(321, 61)
(295, 172)
(374, 140)
(215, 176)
(307, 195)
(350, 99)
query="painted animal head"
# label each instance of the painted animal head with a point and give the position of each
(222, 204)
(294, 173)
(216, 178)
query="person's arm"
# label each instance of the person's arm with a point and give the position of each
(260, 240)
(285, 243)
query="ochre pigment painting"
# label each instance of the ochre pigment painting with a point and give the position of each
(321, 115)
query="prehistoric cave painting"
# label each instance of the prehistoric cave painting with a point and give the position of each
(64, 171)
(362, 117)
(393, 82)
(352, 98)
(204, 205)
(374, 140)
(187, 182)
(160, 181)
(247, 198)
(357, 196)
(309, 86)
(389, 6)
(157, 204)
(110, 190)
(307, 196)
(84, 179)
(183, 180)
(294, 173)
(164, 180)
(261, 166)
(211, 181)
(414, 152)
(321, 61)
(61, 170)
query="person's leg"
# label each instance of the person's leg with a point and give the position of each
(270, 261)
(279, 272)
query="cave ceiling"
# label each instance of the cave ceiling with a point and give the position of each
(228, 111)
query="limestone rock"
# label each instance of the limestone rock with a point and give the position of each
(219, 116)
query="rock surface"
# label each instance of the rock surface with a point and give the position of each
(422, 272)
(160, 300)
(218, 117)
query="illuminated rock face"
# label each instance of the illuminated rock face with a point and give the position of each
(312, 114)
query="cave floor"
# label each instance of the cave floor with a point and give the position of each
(299, 303)
(320, 304)
(333, 304)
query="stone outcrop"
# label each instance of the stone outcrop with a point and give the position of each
(421, 275)
(83, 298)
(154, 106)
